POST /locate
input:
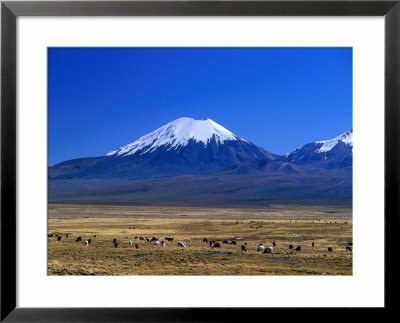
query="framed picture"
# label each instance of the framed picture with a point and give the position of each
(190, 155)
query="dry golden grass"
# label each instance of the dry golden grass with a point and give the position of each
(326, 227)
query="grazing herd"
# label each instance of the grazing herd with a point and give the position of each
(212, 243)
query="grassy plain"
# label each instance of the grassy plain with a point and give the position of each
(326, 226)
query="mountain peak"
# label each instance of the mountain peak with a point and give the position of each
(327, 145)
(335, 152)
(176, 134)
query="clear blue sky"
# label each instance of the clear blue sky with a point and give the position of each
(278, 98)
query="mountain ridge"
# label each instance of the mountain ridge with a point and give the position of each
(217, 162)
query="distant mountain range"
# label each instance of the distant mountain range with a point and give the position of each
(189, 159)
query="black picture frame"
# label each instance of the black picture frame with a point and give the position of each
(10, 10)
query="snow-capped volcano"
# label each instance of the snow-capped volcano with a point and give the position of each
(183, 146)
(332, 153)
(177, 134)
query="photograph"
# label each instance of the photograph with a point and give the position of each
(233, 161)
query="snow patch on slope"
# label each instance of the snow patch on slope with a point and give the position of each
(177, 134)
